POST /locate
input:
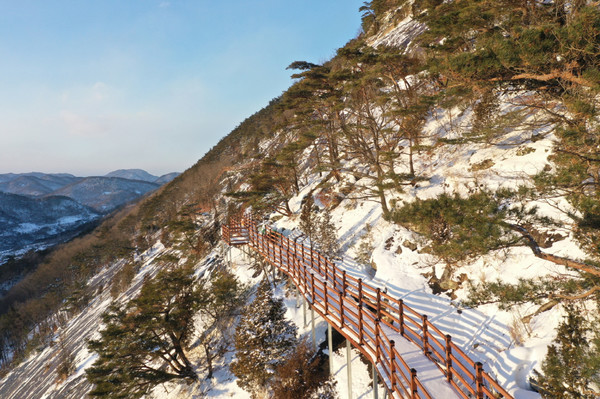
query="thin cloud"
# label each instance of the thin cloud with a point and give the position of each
(164, 4)
(83, 126)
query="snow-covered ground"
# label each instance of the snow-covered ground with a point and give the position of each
(36, 376)
(509, 348)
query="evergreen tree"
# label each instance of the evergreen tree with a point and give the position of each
(218, 311)
(270, 190)
(327, 236)
(301, 377)
(143, 343)
(317, 101)
(308, 218)
(66, 366)
(263, 340)
(572, 366)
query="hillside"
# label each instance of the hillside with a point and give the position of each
(27, 223)
(139, 174)
(105, 194)
(448, 156)
(30, 218)
(34, 184)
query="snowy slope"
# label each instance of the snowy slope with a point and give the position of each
(34, 223)
(36, 377)
(509, 348)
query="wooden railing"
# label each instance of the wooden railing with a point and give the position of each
(367, 316)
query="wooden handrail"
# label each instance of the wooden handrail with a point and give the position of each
(359, 311)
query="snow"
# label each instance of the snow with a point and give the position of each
(36, 377)
(509, 349)
(27, 228)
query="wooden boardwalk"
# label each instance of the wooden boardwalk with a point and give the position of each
(392, 335)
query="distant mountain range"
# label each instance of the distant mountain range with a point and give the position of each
(29, 223)
(39, 209)
(46, 184)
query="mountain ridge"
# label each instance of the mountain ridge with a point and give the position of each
(99, 195)
(444, 217)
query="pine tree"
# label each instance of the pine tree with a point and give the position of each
(301, 377)
(327, 236)
(571, 366)
(263, 340)
(309, 218)
(222, 305)
(66, 366)
(143, 343)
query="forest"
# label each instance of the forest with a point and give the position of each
(362, 121)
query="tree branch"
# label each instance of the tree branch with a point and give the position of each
(559, 260)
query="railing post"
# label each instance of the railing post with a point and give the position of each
(377, 339)
(326, 298)
(305, 279)
(360, 312)
(479, 380)
(287, 255)
(379, 303)
(280, 251)
(334, 274)
(360, 324)
(393, 365)
(425, 337)
(401, 316)
(343, 280)
(319, 262)
(448, 357)
(360, 290)
(341, 296)
(312, 288)
(413, 383)
(295, 258)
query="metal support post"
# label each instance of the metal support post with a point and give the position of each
(349, 366)
(375, 382)
(312, 320)
(304, 310)
(330, 346)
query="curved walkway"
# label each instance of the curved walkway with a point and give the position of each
(413, 357)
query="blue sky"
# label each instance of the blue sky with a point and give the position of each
(90, 86)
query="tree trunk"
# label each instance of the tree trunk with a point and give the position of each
(209, 360)
(187, 371)
(410, 157)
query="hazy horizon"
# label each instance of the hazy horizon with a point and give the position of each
(101, 174)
